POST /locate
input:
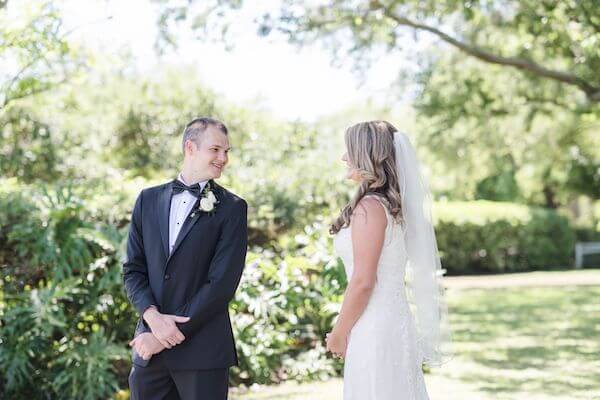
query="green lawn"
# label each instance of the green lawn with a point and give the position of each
(513, 343)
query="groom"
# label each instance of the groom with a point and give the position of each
(185, 255)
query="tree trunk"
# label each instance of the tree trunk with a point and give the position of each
(550, 197)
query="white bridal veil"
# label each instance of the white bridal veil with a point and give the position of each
(424, 270)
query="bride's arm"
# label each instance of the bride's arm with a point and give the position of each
(368, 233)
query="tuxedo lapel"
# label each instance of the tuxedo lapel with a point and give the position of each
(164, 209)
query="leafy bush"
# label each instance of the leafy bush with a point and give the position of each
(28, 147)
(284, 307)
(489, 237)
(64, 317)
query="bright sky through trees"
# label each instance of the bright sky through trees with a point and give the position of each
(289, 82)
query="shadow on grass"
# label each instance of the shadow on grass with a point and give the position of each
(274, 396)
(536, 340)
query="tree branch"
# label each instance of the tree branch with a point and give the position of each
(18, 75)
(543, 100)
(44, 88)
(592, 92)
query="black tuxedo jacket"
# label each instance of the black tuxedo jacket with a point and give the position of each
(198, 279)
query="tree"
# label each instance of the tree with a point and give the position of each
(487, 120)
(555, 40)
(509, 85)
(34, 50)
(37, 57)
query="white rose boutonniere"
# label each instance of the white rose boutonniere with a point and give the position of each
(208, 201)
(206, 205)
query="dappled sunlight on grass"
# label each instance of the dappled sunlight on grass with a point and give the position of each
(527, 340)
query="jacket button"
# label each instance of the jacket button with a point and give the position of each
(167, 277)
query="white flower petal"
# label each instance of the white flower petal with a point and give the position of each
(206, 204)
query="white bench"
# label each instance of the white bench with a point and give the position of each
(583, 248)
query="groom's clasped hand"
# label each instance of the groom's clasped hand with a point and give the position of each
(165, 333)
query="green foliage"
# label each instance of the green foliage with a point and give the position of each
(501, 186)
(488, 237)
(150, 122)
(54, 241)
(136, 144)
(84, 368)
(588, 230)
(30, 321)
(583, 175)
(28, 149)
(63, 309)
(34, 350)
(35, 50)
(508, 124)
(285, 305)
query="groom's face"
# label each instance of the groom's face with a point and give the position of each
(210, 155)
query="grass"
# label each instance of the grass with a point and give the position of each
(510, 343)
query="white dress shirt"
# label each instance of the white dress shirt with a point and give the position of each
(181, 205)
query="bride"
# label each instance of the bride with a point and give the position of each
(393, 318)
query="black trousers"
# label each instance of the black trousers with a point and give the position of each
(156, 382)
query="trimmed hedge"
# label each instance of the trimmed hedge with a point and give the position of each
(494, 237)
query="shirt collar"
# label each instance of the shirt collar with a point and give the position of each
(180, 179)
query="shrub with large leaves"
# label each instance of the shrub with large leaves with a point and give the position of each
(62, 310)
(285, 305)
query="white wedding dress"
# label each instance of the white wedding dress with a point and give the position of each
(383, 360)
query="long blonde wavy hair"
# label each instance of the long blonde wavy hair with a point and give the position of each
(370, 147)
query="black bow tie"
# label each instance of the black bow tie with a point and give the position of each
(179, 187)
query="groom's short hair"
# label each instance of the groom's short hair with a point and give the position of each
(196, 127)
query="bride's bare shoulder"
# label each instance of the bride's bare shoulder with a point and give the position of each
(369, 211)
